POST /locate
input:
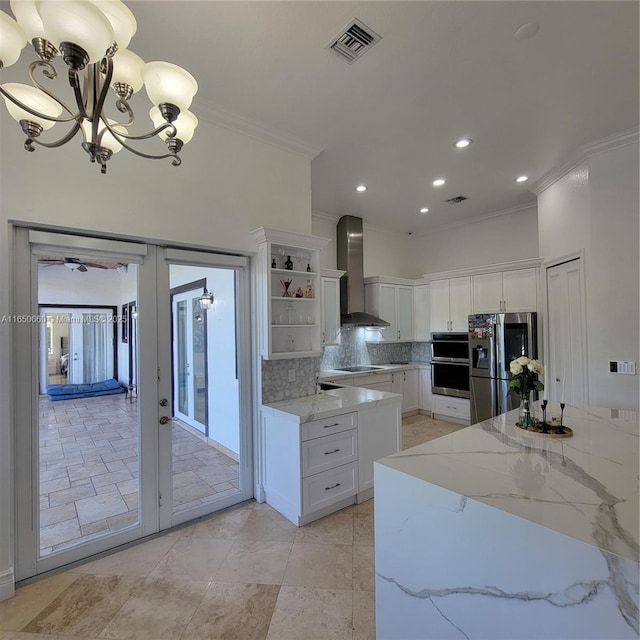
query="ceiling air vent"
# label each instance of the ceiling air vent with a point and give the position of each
(456, 199)
(353, 41)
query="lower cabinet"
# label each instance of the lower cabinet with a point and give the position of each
(454, 409)
(317, 467)
(426, 402)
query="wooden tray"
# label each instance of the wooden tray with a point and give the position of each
(568, 431)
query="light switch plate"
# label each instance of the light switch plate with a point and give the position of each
(628, 367)
(292, 375)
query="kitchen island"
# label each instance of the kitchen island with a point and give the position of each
(491, 533)
(318, 451)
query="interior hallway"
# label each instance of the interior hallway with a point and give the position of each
(246, 574)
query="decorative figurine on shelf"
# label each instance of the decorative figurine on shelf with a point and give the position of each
(273, 263)
(285, 285)
(308, 268)
(288, 263)
(299, 293)
(308, 290)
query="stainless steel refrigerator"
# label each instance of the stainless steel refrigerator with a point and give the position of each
(495, 339)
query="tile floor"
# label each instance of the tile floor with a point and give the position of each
(89, 469)
(246, 574)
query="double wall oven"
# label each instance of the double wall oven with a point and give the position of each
(450, 364)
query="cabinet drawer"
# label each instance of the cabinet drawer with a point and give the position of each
(328, 487)
(455, 407)
(321, 454)
(334, 424)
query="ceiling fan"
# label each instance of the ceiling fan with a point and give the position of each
(74, 264)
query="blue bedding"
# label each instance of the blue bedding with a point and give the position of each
(69, 391)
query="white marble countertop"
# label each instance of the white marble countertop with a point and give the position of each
(585, 487)
(334, 374)
(332, 402)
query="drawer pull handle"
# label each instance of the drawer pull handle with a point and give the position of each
(328, 453)
(328, 426)
(337, 484)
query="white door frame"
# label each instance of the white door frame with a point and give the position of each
(28, 244)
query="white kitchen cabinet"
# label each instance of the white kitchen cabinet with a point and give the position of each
(290, 317)
(376, 439)
(450, 304)
(453, 409)
(421, 320)
(392, 302)
(330, 301)
(506, 291)
(426, 402)
(378, 381)
(411, 390)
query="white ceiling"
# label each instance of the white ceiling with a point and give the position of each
(442, 70)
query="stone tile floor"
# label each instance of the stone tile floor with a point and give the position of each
(245, 574)
(89, 469)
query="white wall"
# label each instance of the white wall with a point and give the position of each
(595, 206)
(223, 387)
(504, 237)
(228, 185)
(386, 252)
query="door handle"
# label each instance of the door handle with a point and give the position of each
(164, 420)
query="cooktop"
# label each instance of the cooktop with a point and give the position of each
(359, 368)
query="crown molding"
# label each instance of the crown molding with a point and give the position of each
(582, 155)
(468, 221)
(255, 130)
(325, 216)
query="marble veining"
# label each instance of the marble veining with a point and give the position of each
(573, 498)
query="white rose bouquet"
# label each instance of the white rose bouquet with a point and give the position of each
(525, 376)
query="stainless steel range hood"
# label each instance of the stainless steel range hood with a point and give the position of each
(351, 260)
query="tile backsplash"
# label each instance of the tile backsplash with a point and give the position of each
(353, 350)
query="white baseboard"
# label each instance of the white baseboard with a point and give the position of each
(7, 584)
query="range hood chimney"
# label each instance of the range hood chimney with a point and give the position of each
(351, 260)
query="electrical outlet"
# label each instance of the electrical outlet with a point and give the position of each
(628, 367)
(292, 375)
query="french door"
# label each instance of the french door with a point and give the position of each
(96, 471)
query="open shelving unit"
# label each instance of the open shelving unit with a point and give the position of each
(290, 316)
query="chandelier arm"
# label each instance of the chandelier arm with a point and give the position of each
(58, 143)
(28, 109)
(120, 138)
(144, 136)
(49, 71)
(101, 85)
(123, 107)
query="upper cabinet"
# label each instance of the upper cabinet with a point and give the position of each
(450, 304)
(392, 300)
(506, 291)
(330, 283)
(289, 294)
(421, 314)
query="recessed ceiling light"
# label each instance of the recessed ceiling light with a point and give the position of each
(424, 210)
(462, 143)
(361, 187)
(439, 182)
(521, 178)
(527, 31)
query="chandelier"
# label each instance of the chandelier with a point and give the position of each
(92, 37)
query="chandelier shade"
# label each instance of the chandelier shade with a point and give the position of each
(168, 83)
(105, 137)
(35, 99)
(90, 38)
(185, 124)
(28, 18)
(122, 20)
(127, 69)
(78, 23)
(12, 40)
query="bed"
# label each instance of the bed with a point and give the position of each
(70, 391)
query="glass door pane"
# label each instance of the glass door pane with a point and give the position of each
(206, 425)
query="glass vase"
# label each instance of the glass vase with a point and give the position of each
(527, 415)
